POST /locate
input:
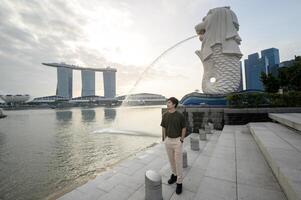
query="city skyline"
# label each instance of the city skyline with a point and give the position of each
(128, 35)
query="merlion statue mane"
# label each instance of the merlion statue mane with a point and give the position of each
(220, 53)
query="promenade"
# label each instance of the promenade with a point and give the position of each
(228, 166)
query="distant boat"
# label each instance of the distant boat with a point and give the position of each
(1, 114)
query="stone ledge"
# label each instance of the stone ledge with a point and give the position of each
(292, 120)
(283, 157)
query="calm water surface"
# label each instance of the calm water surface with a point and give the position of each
(43, 152)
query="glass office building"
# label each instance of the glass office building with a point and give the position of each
(272, 55)
(254, 66)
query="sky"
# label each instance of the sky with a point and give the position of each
(128, 35)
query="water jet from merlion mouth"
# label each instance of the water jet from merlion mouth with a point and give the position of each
(153, 63)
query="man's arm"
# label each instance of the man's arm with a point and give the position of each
(163, 124)
(183, 133)
(183, 124)
(163, 133)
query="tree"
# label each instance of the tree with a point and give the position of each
(290, 77)
(271, 83)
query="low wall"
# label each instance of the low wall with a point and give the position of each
(198, 116)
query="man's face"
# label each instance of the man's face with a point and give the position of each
(170, 105)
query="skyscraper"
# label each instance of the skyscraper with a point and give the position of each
(272, 55)
(88, 83)
(109, 82)
(64, 82)
(254, 66)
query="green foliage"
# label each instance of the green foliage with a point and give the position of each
(259, 99)
(242, 100)
(290, 77)
(271, 83)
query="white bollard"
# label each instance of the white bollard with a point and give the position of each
(194, 143)
(185, 159)
(211, 126)
(203, 135)
(207, 129)
(153, 186)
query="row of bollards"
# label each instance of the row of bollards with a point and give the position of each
(153, 180)
(194, 141)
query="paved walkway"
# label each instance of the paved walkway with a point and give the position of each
(228, 166)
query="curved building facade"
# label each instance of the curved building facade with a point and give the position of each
(19, 98)
(196, 98)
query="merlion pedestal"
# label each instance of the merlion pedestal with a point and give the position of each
(220, 53)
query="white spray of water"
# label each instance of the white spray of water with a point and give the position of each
(154, 62)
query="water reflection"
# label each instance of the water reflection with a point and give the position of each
(64, 116)
(110, 114)
(2, 139)
(2, 150)
(88, 115)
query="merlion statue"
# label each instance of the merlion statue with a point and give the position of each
(220, 53)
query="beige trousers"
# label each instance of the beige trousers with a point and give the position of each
(174, 151)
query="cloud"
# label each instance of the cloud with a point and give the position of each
(90, 33)
(127, 35)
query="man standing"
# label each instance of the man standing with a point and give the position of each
(173, 134)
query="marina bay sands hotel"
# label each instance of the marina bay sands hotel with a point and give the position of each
(65, 78)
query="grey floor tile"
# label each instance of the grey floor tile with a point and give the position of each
(120, 192)
(213, 189)
(247, 192)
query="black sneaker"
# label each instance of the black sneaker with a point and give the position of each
(179, 188)
(172, 179)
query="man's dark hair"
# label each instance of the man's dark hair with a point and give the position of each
(174, 101)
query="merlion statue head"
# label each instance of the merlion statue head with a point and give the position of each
(219, 26)
(220, 51)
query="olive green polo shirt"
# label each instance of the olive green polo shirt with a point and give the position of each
(173, 123)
